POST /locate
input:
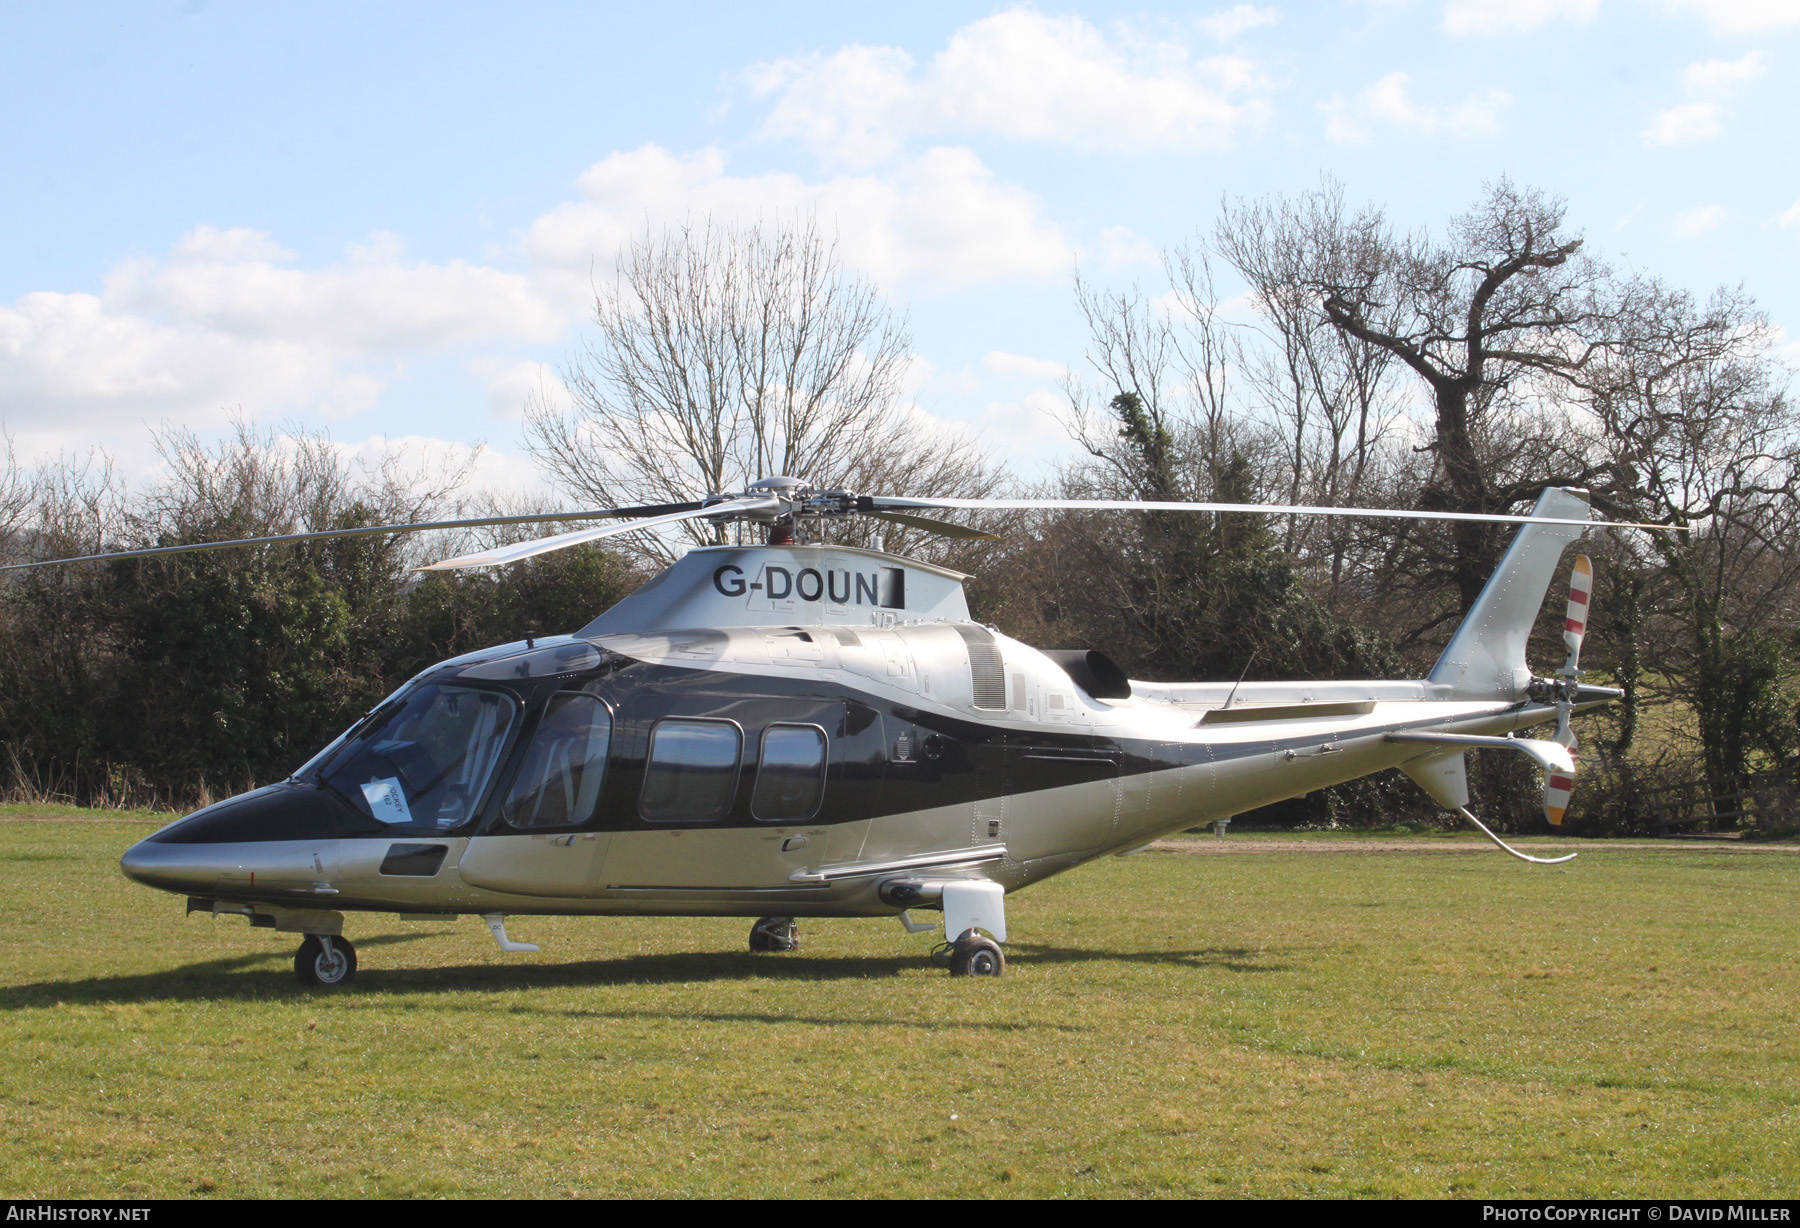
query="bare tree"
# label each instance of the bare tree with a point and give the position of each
(259, 482)
(1507, 297)
(1176, 365)
(727, 354)
(1332, 395)
(16, 497)
(1701, 433)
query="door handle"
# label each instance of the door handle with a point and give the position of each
(792, 843)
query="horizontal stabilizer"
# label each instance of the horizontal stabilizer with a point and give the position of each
(1547, 755)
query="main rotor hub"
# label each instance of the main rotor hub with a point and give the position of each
(795, 501)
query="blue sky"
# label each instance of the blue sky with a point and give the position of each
(381, 219)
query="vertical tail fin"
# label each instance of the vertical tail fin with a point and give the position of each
(1485, 659)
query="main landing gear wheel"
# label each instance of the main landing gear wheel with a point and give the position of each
(974, 955)
(325, 963)
(775, 934)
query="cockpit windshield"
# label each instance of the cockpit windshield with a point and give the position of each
(425, 767)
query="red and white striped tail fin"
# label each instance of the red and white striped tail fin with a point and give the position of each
(1581, 593)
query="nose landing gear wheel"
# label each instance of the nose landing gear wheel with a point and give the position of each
(775, 934)
(325, 963)
(973, 955)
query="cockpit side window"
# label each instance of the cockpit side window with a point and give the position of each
(558, 784)
(426, 765)
(692, 771)
(790, 779)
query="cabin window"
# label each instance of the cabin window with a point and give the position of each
(425, 764)
(790, 779)
(693, 770)
(558, 784)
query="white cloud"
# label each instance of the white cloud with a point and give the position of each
(238, 282)
(1120, 245)
(1698, 221)
(228, 322)
(1389, 101)
(1741, 16)
(1002, 363)
(941, 218)
(1019, 74)
(490, 470)
(224, 323)
(1792, 216)
(1787, 351)
(1341, 127)
(1719, 76)
(74, 364)
(1706, 82)
(1694, 121)
(1513, 16)
(1029, 431)
(1227, 24)
(511, 385)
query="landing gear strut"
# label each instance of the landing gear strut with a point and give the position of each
(970, 906)
(325, 962)
(775, 934)
(976, 955)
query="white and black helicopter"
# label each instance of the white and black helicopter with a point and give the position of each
(806, 730)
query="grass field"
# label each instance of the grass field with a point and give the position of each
(1385, 1024)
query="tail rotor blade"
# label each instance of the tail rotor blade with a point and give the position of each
(1557, 788)
(1559, 785)
(1575, 622)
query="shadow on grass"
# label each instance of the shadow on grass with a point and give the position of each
(1231, 959)
(789, 1019)
(265, 975)
(238, 977)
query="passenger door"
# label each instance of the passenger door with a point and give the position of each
(730, 800)
(544, 843)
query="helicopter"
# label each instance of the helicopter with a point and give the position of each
(797, 729)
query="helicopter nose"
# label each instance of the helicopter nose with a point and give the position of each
(172, 867)
(282, 838)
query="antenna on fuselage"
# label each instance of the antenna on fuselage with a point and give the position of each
(1241, 675)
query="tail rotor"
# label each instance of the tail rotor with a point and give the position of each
(1557, 785)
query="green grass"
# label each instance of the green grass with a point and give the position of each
(1384, 1025)
(56, 810)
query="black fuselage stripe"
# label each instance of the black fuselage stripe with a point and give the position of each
(886, 757)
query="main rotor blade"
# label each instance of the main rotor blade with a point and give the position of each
(562, 541)
(943, 528)
(874, 503)
(368, 531)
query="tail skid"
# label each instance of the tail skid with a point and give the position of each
(1536, 861)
